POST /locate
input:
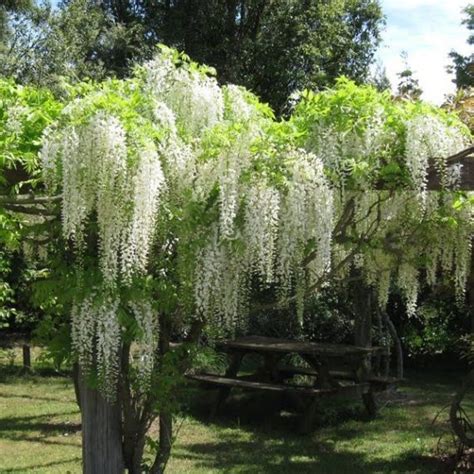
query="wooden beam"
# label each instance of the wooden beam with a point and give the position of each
(465, 159)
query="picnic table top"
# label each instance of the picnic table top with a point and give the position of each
(271, 344)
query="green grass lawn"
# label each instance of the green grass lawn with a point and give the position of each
(40, 432)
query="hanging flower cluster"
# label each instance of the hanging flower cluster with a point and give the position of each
(428, 137)
(277, 223)
(195, 98)
(102, 174)
(364, 138)
(96, 339)
(410, 243)
(15, 118)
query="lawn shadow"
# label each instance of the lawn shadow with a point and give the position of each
(33, 468)
(29, 397)
(276, 413)
(267, 455)
(21, 428)
(267, 439)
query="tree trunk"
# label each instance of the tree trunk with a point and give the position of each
(363, 315)
(26, 357)
(134, 427)
(166, 420)
(459, 423)
(470, 289)
(101, 433)
(166, 433)
(398, 345)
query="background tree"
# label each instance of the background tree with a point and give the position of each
(21, 33)
(409, 86)
(463, 66)
(76, 41)
(273, 47)
(11, 7)
(379, 78)
(277, 47)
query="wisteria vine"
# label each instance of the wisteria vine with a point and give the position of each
(170, 170)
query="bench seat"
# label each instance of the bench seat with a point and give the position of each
(339, 375)
(217, 380)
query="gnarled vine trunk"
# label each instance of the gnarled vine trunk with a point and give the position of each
(398, 344)
(362, 297)
(101, 433)
(113, 434)
(461, 425)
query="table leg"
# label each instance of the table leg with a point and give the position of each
(369, 402)
(269, 370)
(368, 399)
(321, 366)
(307, 419)
(235, 360)
(323, 380)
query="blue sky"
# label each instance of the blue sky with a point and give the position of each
(427, 30)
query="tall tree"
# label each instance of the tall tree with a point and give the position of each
(49, 45)
(408, 87)
(11, 7)
(10, 10)
(273, 47)
(463, 66)
(379, 78)
(78, 40)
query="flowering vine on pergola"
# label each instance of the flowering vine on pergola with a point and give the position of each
(178, 196)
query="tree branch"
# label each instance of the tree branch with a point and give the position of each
(34, 211)
(28, 199)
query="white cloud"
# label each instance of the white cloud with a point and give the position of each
(427, 30)
(413, 4)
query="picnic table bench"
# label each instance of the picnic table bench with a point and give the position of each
(336, 370)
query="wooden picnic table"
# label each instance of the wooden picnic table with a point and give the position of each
(336, 370)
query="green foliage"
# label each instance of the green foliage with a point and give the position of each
(437, 333)
(348, 108)
(430, 334)
(467, 348)
(326, 318)
(6, 292)
(18, 274)
(462, 66)
(53, 334)
(24, 114)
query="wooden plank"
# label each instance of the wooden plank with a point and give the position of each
(354, 389)
(465, 160)
(383, 380)
(343, 375)
(340, 375)
(269, 344)
(298, 371)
